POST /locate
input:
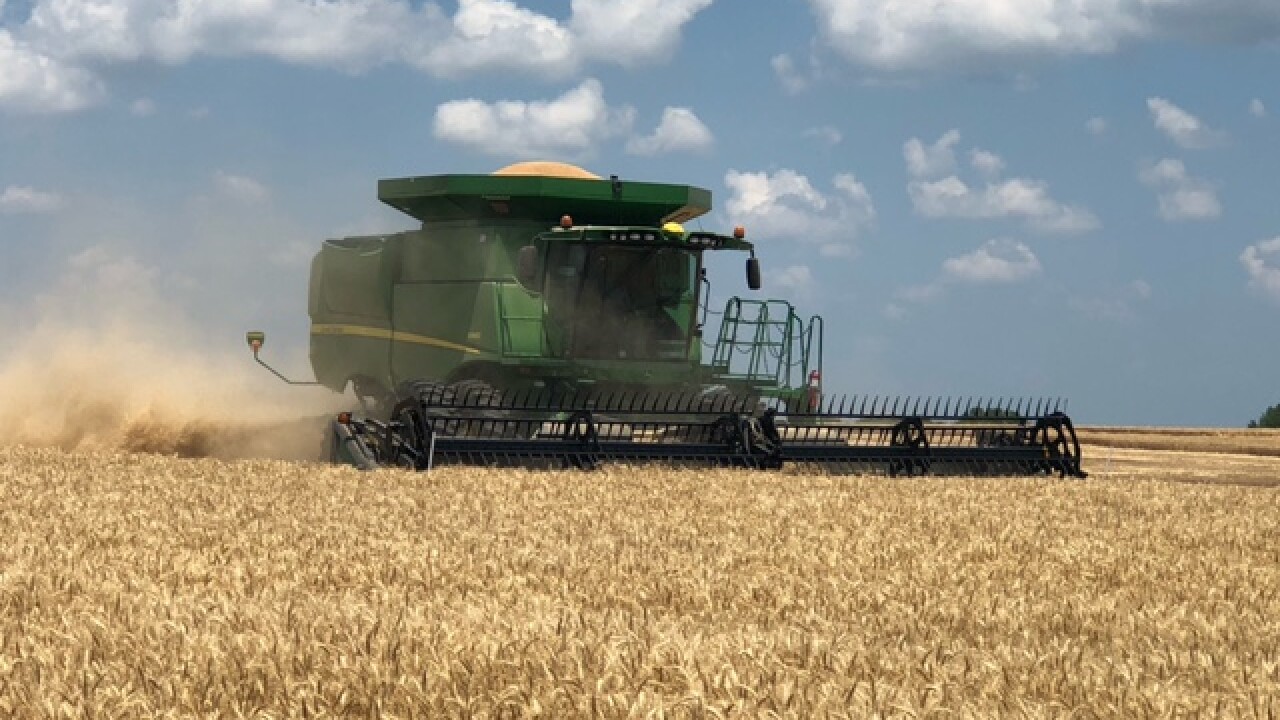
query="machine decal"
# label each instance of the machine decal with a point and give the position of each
(385, 334)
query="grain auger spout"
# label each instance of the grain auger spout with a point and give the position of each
(544, 316)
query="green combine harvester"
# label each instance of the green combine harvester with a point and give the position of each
(543, 316)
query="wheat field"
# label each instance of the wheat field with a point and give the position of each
(145, 585)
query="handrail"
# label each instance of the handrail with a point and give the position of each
(816, 326)
(778, 347)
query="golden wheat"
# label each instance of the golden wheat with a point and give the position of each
(148, 586)
(1241, 457)
(1262, 442)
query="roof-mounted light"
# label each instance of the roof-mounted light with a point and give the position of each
(566, 222)
(739, 232)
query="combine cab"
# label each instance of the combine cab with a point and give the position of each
(545, 316)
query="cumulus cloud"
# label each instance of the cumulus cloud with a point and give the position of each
(1262, 263)
(568, 126)
(496, 33)
(1021, 198)
(937, 192)
(631, 31)
(1257, 108)
(1180, 196)
(680, 130)
(987, 163)
(785, 204)
(1096, 125)
(36, 82)
(1183, 128)
(931, 160)
(996, 261)
(893, 35)
(20, 199)
(51, 58)
(349, 34)
(1000, 261)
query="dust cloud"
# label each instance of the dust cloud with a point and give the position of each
(104, 361)
(98, 390)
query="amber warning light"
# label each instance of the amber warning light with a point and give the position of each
(255, 339)
(739, 232)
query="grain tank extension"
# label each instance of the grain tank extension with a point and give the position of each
(542, 315)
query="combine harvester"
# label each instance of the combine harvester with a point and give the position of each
(543, 316)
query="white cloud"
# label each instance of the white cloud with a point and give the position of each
(793, 81)
(1262, 263)
(142, 107)
(827, 134)
(240, 188)
(18, 199)
(1181, 196)
(785, 205)
(496, 33)
(899, 35)
(680, 130)
(1257, 108)
(1021, 198)
(1183, 128)
(349, 34)
(794, 282)
(987, 163)
(50, 59)
(1096, 125)
(36, 82)
(997, 261)
(1000, 261)
(631, 31)
(568, 126)
(948, 196)
(932, 161)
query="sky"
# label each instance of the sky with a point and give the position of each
(1064, 198)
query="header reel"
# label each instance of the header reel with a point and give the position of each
(471, 424)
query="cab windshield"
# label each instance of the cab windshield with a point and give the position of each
(619, 302)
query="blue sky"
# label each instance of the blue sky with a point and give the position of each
(982, 197)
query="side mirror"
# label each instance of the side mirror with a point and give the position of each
(527, 267)
(753, 273)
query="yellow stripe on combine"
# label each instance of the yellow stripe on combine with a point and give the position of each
(385, 334)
